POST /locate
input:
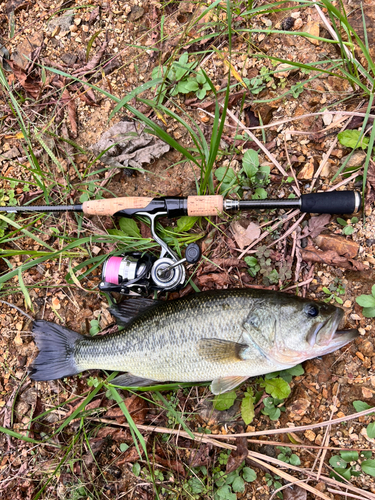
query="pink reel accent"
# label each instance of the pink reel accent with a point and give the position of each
(112, 270)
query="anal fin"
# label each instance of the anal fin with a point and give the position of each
(225, 384)
(129, 380)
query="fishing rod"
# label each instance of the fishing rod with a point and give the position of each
(140, 273)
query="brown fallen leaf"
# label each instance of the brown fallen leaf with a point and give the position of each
(213, 280)
(337, 243)
(238, 455)
(243, 235)
(201, 456)
(331, 258)
(91, 65)
(172, 464)
(316, 225)
(31, 86)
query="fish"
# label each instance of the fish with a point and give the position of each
(223, 337)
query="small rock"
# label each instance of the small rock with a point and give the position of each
(312, 29)
(310, 435)
(356, 317)
(12, 153)
(23, 52)
(367, 393)
(298, 24)
(318, 439)
(63, 22)
(73, 28)
(17, 339)
(69, 58)
(366, 348)
(283, 70)
(347, 303)
(307, 171)
(136, 13)
(356, 159)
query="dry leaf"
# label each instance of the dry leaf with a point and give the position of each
(238, 455)
(337, 243)
(316, 225)
(245, 236)
(31, 86)
(294, 492)
(331, 258)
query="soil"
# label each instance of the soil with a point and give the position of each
(67, 36)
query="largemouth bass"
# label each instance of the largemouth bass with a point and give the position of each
(222, 336)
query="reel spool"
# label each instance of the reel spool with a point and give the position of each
(135, 273)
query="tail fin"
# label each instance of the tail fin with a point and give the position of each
(56, 351)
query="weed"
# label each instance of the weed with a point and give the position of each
(250, 175)
(348, 225)
(234, 482)
(274, 481)
(334, 291)
(254, 267)
(273, 407)
(270, 274)
(287, 456)
(368, 303)
(347, 464)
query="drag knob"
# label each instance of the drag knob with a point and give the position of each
(192, 253)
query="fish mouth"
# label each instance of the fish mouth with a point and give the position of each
(329, 338)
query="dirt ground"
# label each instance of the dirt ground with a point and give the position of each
(124, 37)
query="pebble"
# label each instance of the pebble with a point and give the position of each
(310, 435)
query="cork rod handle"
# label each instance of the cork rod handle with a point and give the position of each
(112, 205)
(205, 205)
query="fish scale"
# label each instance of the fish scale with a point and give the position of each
(224, 336)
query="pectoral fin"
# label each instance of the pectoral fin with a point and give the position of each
(129, 380)
(221, 350)
(225, 384)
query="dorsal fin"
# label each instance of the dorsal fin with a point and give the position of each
(131, 308)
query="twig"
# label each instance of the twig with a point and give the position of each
(257, 141)
(18, 309)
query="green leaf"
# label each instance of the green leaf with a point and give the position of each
(371, 430)
(123, 447)
(273, 413)
(251, 261)
(238, 485)
(224, 401)
(348, 230)
(342, 221)
(368, 466)
(136, 469)
(277, 387)
(129, 227)
(354, 220)
(260, 194)
(369, 312)
(191, 85)
(201, 93)
(337, 462)
(196, 486)
(250, 163)
(361, 406)
(339, 300)
(294, 459)
(349, 456)
(366, 300)
(345, 473)
(373, 290)
(185, 223)
(224, 174)
(247, 408)
(350, 138)
(248, 474)
(366, 453)
(295, 371)
(225, 493)
(283, 457)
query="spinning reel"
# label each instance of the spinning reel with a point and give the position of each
(137, 273)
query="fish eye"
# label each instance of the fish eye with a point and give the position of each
(312, 310)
